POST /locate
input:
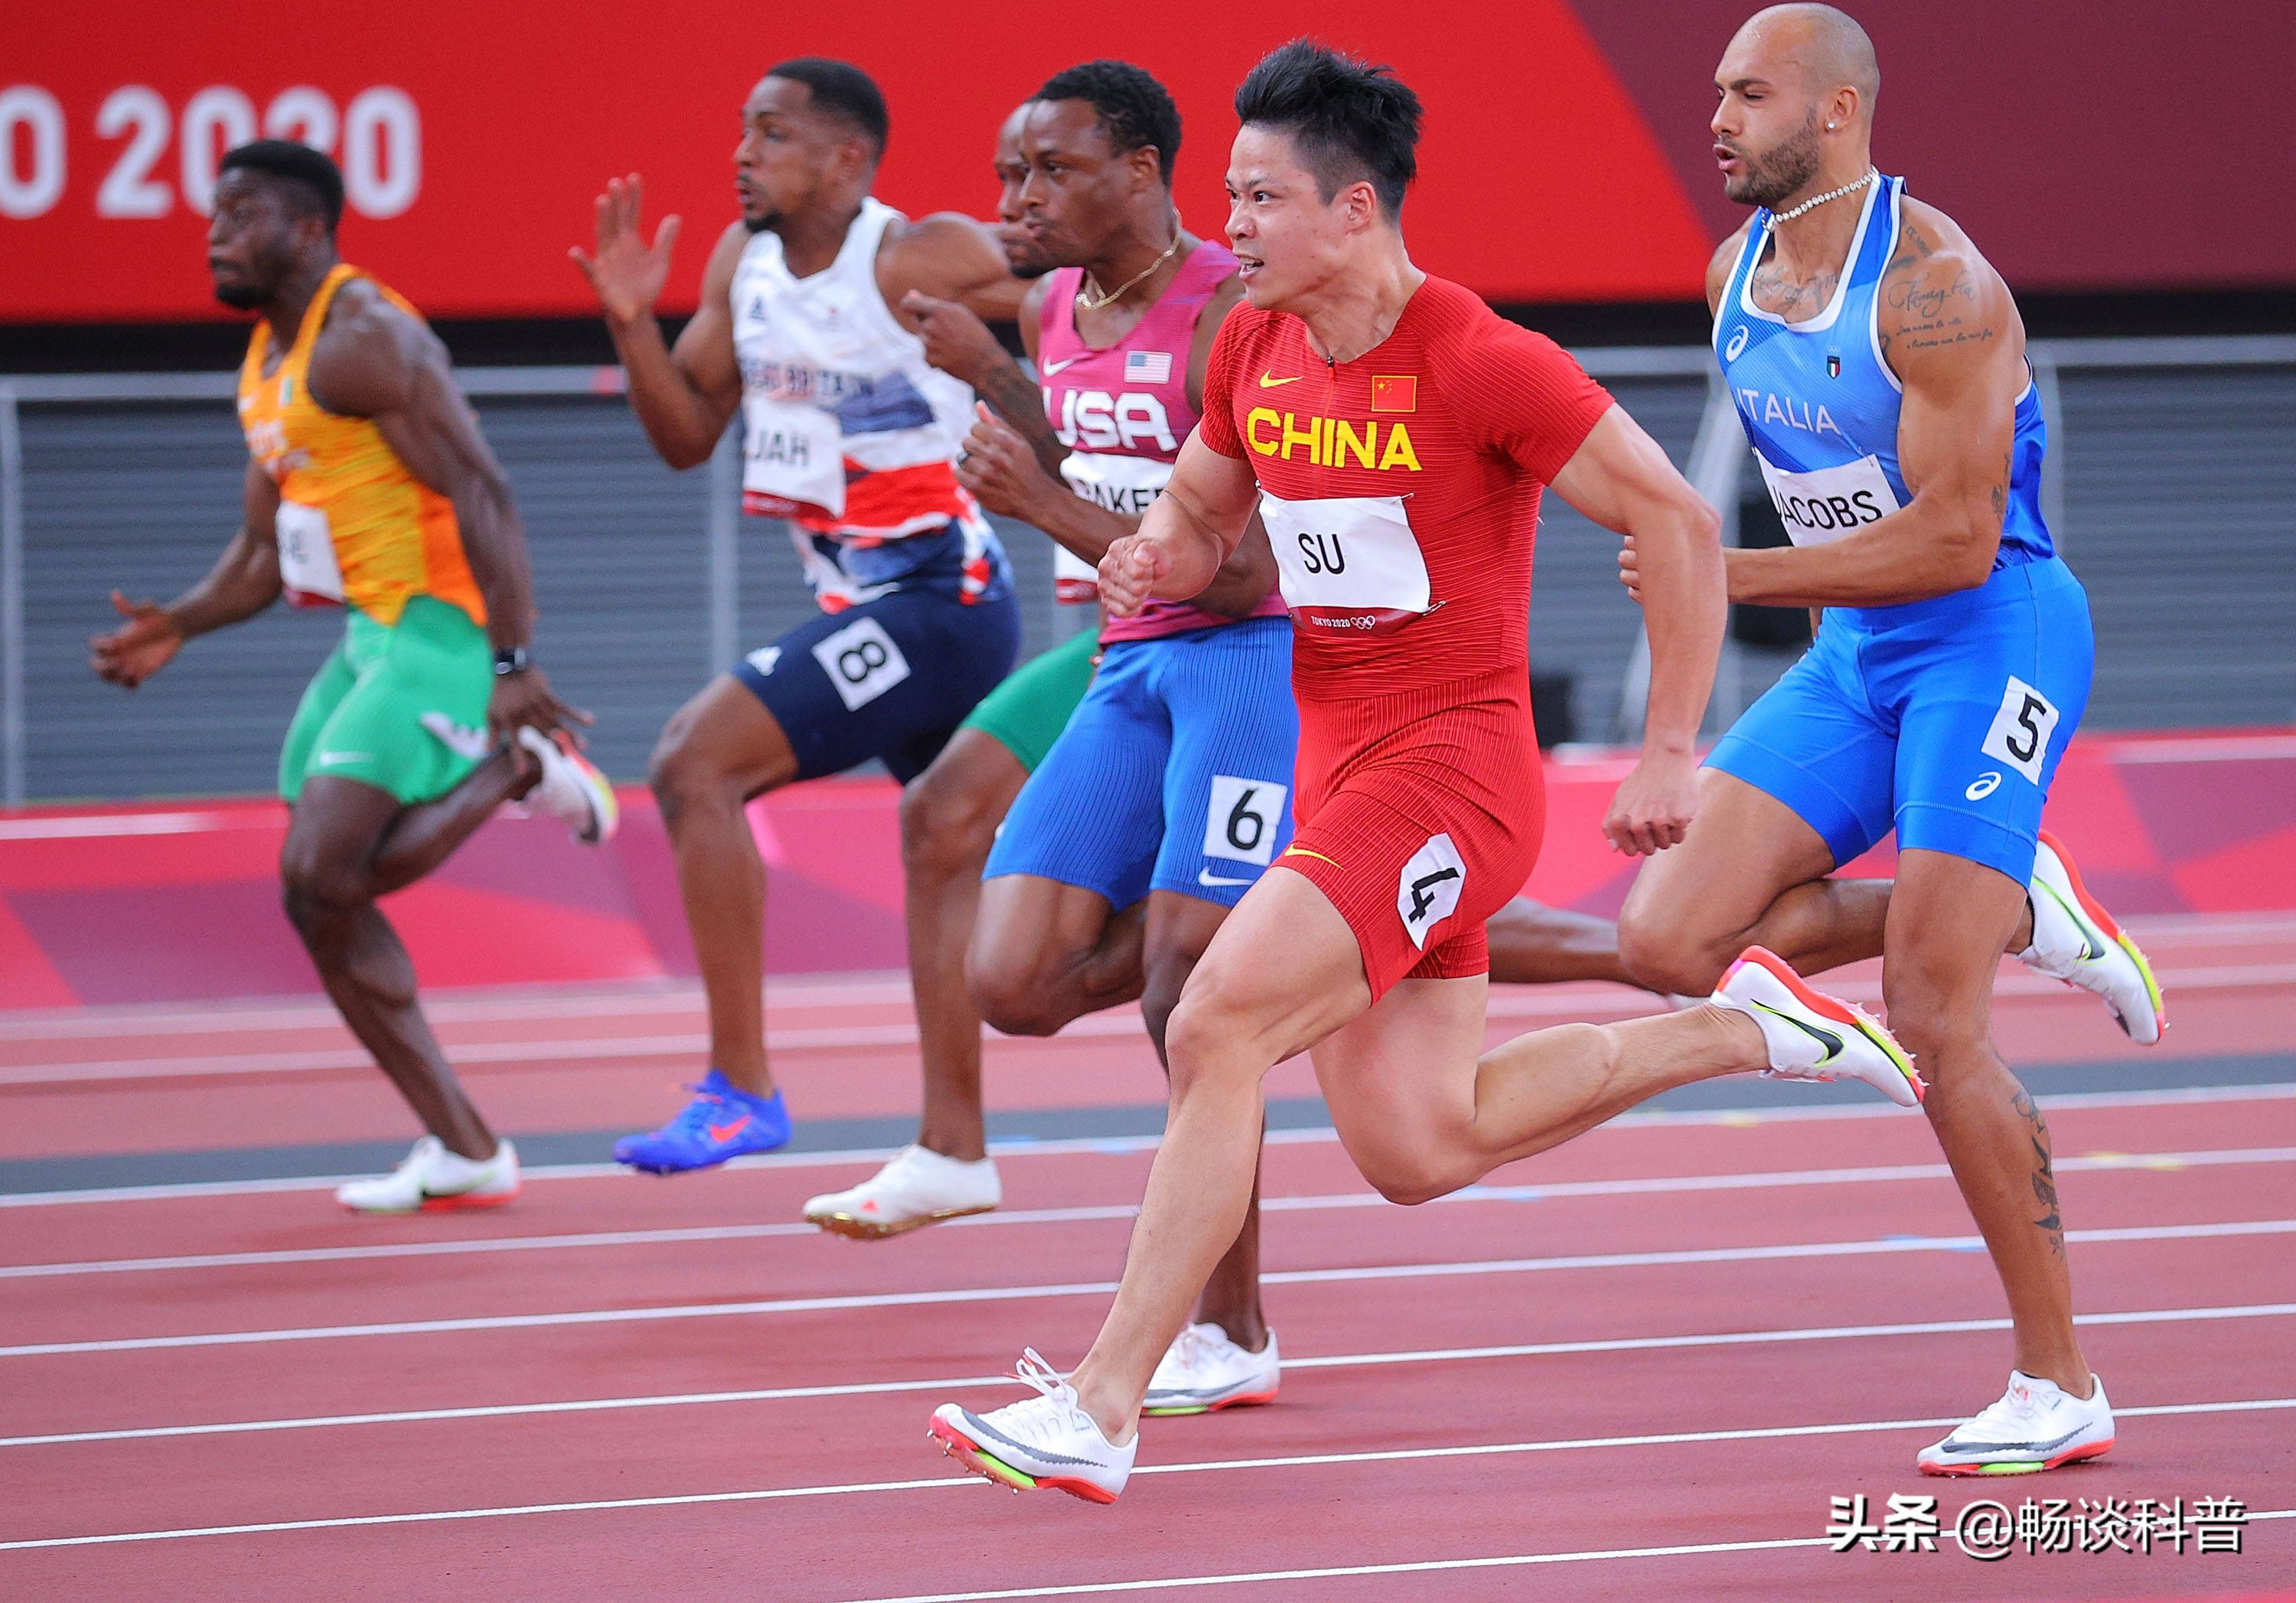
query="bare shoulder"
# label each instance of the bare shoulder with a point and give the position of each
(366, 357)
(934, 245)
(1722, 263)
(1941, 297)
(1223, 301)
(726, 253)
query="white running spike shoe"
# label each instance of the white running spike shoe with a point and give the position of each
(571, 789)
(2035, 1426)
(1203, 1371)
(1812, 1035)
(1042, 1444)
(2074, 939)
(433, 1179)
(919, 1186)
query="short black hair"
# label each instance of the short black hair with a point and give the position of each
(1135, 112)
(843, 91)
(1350, 119)
(312, 179)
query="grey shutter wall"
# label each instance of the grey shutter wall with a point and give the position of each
(2178, 489)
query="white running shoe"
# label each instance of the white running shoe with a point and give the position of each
(1812, 1035)
(433, 1179)
(2074, 939)
(1203, 1371)
(919, 1186)
(571, 789)
(1042, 1444)
(2036, 1425)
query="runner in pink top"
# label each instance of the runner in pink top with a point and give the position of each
(1169, 792)
(1122, 410)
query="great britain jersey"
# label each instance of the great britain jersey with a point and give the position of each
(852, 434)
(1401, 490)
(1123, 411)
(1820, 404)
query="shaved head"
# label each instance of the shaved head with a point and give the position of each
(1826, 46)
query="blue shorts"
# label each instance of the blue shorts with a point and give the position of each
(1943, 718)
(1175, 774)
(890, 678)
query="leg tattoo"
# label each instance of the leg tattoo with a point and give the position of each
(2044, 1185)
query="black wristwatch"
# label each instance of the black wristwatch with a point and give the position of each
(511, 660)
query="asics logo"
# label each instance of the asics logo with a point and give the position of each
(1827, 1038)
(1268, 380)
(1983, 786)
(1737, 345)
(730, 1128)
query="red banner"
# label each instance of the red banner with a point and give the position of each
(1563, 157)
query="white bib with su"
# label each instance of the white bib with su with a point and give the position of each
(1349, 564)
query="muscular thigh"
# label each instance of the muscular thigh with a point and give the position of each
(724, 734)
(1400, 1079)
(1281, 974)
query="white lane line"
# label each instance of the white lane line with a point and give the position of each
(1655, 1184)
(1079, 1288)
(1021, 1147)
(1346, 1360)
(1125, 1025)
(1417, 1567)
(1291, 1461)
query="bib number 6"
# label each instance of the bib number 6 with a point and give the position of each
(1243, 820)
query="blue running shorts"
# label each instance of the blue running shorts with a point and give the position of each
(1175, 774)
(1942, 718)
(891, 678)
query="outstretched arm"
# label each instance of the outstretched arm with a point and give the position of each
(243, 581)
(1951, 334)
(1621, 479)
(374, 361)
(684, 396)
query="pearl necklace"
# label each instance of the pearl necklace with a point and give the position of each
(1084, 297)
(1831, 194)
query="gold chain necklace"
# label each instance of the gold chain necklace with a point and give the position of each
(1085, 300)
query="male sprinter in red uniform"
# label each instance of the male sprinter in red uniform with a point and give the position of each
(1394, 435)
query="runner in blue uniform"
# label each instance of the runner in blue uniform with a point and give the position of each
(1878, 364)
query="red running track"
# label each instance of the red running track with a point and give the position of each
(1645, 1362)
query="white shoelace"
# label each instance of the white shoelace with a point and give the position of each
(1053, 1417)
(2019, 1407)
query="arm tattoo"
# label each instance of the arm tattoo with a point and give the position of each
(2050, 1224)
(1005, 387)
(2001, 489)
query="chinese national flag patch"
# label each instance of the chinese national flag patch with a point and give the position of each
(1394, 394)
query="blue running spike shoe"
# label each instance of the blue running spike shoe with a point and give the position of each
(722, 1122)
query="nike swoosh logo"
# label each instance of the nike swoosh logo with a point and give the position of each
(2090, 950)
(1833, 1043)
(1267, 383)
(1050, 368)
(327, 758)
(728, 1131)
(1205, 876)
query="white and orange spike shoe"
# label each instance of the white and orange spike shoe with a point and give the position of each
(571, 789)
(1812, 1035)
(1042, 1444)
(432, 1180)
(2035, 1426)
(2074, 939)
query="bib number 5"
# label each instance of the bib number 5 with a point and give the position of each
(2021, 731)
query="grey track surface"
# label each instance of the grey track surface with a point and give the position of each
(24, 1175)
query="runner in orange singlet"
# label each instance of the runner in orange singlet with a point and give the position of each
(1395, 436)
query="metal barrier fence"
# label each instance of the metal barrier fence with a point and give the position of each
(2171, 486)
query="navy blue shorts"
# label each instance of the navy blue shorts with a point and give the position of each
(890, 678)
(1173, 774)
(1944, 720)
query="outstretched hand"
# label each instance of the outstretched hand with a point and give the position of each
(627, 273)
(1129, 572)
(138, 648)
